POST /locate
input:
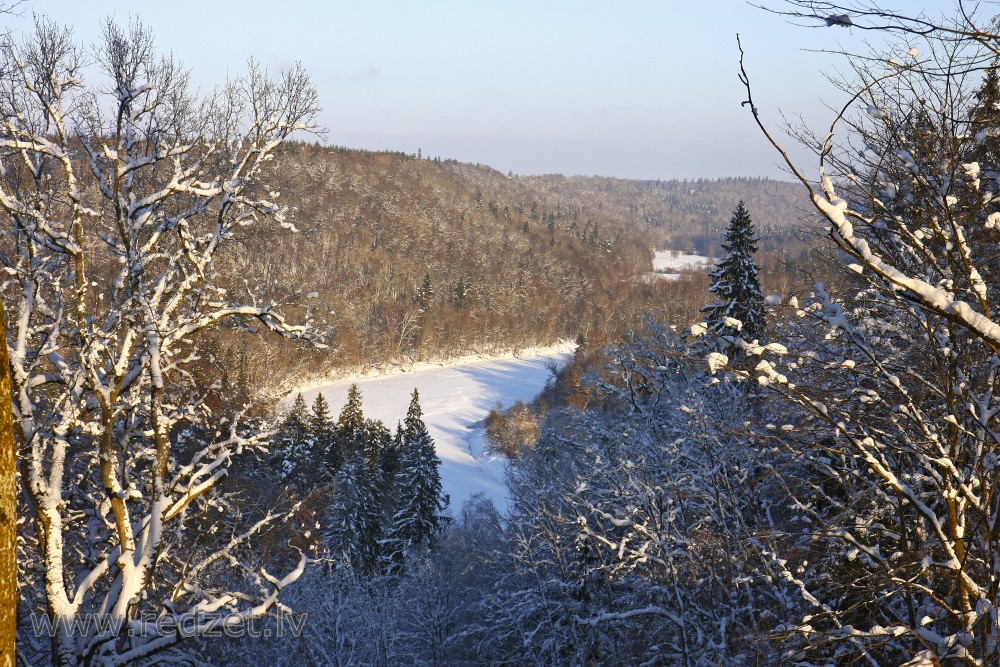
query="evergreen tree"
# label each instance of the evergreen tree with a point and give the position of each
(417, 520)
(350, 436)
(736, 282)
(322, 432)
(389, 461)
(354, 525)
(425, 292)
(377, 438)
(414, 421)
(461, 293)
(293, 442)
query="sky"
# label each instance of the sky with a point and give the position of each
(634, 88)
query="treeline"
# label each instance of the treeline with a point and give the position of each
(687, 215)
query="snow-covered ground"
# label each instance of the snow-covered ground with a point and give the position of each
(455, 396)
(668, 264)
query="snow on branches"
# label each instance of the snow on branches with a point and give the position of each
(735, 280)
(121, 186)
(894, 367)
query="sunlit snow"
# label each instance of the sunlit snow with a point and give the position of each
(668, 264)
(455, 398)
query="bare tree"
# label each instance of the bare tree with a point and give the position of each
(119, 187)
(9, 593)
(898, 505)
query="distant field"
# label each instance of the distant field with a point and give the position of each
(668, 264)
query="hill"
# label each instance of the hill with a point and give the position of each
(685, 215)
(403, 258)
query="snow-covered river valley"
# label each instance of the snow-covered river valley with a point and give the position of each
(455, 397)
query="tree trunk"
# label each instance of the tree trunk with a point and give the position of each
(8, 509)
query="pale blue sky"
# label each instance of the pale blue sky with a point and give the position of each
(637, 89)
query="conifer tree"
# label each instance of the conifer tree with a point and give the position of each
(736, 282)
(417, 520)
(355, 520)
(296, 419)
(293, 440)
(350, 435)
(377, 438)
(322, 432)
(388, 462)
(461, 293)
(425, 292)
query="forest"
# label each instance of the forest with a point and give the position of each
(790, 458)
(424, 258)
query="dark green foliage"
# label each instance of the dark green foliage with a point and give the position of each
(292, 444)
(304, 442)
(377, 438)
(322, 431)
(356, 518)
(736, 282)
(354, 523)
(350, 436)
(389, 460)
(417, 520)
(414, 421)
(425, 292)
(461, 293)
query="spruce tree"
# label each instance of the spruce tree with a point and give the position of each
(736, 282)
(461, 293)
(417, 520)
(322, 432)
(377, 438)
(293, 441)
(355, 521)
(388, 462)
(350, 436)
(425, 292)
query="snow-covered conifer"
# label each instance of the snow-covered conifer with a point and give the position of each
(377, 438)
(293, 441)
(389, 458)
(354, 523)
(739, 313)
(322, 433)
(350, 436)
(419, 500)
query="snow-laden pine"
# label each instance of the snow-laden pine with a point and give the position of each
(416, 521)
(740, 311)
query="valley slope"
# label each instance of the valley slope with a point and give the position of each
(399, 258)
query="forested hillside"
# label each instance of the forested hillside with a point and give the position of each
(404, 258)
(687, 215)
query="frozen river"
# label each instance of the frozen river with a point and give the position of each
(455, 397)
